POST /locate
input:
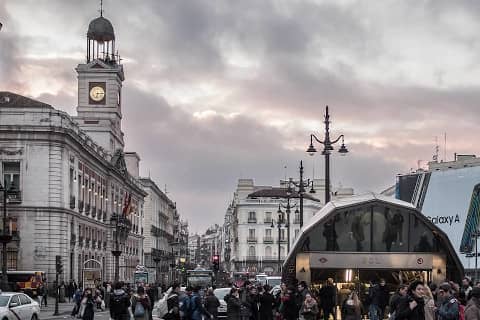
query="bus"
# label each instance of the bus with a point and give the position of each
(200, 277)
(27, 282)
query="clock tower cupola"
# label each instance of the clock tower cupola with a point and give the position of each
(100, 86)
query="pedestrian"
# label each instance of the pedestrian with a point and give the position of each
(395, 299)
(44, 295)
(185, 304)
(465, 289)
(351, 307)
(87, 306)
(412, 306)
(77, 299)
(301, 293)
(173, 305)
(327, 299)
(108, 292)
(197, 310)
(119, 303)
(378, 300)
(212, 304)
(429, 304)
(141, 305)
(472, 311)
(309, 309)
(233, 305)
(449, 308)
(289, 307)
(267, 303)
(70, 291)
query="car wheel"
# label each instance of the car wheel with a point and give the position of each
(34, 317)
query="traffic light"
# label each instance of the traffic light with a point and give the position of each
(216, 262)
(58, 264)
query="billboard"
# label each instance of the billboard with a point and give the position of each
(449, 199)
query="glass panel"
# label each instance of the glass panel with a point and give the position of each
(353, 230)
(390, 229)
(421, 238)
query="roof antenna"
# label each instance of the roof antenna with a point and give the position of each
(101, 8)
(435, 156)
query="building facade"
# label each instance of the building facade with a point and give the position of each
(258, 244)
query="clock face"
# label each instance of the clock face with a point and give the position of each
(97, 93)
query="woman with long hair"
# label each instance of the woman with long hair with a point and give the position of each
(351, 307)
(429, 304)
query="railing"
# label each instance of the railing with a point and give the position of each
(87, 209)
(72, 202)
(263, 258)
(94, 212)
(15, 196)
(252, 239)
(267, 220)
(267, 240)
(252, 220)
(282, 240)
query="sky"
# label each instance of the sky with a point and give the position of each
(221, 90)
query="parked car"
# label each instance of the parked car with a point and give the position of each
(18, 306)
(220, 293)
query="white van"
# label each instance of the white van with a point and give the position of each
(274, 281)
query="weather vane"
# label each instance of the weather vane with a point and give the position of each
(101, 8)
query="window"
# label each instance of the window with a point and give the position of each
(282, 235)
(268, 233)
(251, 233)
(251, 251)
(268, 251)
(282, 251)
(11, 173)
(15, 299)
(268, 217)
(24, 299)
(252, 217)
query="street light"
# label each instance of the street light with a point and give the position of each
(280, 221)
(122, 228)
(5, 237)
(302, 184)
(288, 206)
(327, 149)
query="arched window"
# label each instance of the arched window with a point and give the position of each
(268, 252)
(251, 251)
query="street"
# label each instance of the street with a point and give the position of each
(64, 310)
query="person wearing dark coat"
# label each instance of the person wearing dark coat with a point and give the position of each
(327, 299)
(289, 305)
(233, 305)
(212, 304)
(119, 303)
(87, 305)
(267, 303)
(412, 306)
(472, 310)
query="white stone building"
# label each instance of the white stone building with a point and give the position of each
(255, 243)
(71, 172)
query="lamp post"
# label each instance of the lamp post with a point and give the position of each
(5, 237)
(122, 227)
(327, 149)
(280, 221)
(302, 184)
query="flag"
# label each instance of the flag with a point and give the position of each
(127, 206)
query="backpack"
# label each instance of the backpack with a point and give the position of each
(162, 305)
(185, 308)
(193, 306)
(139, 310)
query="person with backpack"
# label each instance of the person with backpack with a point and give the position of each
(87, 306)
(185, 304)
(119, 303)
(449, 308)
(173, 305)
(197, 310)
(141, 305)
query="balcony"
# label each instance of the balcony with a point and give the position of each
(252, 239)
(267, 220)
(282, 240)
(252, 220)
(14, 197)
(80, 206)
(267, 240)
(72, 202)
(15, 235)
(94, 212)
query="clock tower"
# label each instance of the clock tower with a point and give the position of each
(100, 87)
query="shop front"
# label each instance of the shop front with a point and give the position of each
(358, 240)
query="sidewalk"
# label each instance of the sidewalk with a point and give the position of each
(64, 311)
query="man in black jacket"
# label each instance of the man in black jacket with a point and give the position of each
(119, 303)
(412, 306)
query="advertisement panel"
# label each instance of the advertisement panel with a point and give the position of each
(447, 203)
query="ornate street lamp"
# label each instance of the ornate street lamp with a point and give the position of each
(6, 236)
(301, 185)
(327, 149)
(120, 234)
(288, 206)
(280, 221)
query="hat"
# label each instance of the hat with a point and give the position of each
(475, 292)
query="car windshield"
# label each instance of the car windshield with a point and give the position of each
(221, 293)
(274, 282)
(4, 301)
